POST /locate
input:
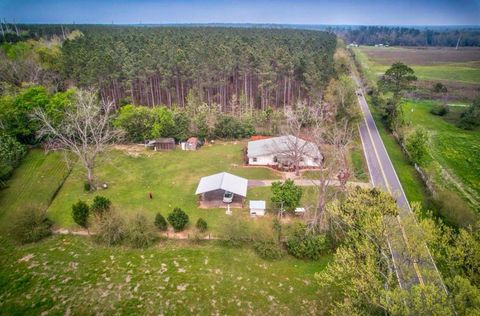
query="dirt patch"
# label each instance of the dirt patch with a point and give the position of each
(133, 150)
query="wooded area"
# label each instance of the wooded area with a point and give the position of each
(255, 68)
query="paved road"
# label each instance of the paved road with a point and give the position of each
(410, 271)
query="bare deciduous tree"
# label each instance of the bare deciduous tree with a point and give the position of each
(85, 129)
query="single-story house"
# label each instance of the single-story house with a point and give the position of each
(282, 152)
(211, 190)
(257, 207)
(161, 144)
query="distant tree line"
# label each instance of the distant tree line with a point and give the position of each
(403, 36)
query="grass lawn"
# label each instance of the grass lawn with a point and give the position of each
(172, 178)
(66, 274)
(453, 148)
(34, 183)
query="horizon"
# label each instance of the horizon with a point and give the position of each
(281, 12)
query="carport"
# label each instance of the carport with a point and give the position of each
(210, 190)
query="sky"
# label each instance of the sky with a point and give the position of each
(363, 12)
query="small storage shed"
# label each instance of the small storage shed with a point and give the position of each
(257, 208)
(162, 144)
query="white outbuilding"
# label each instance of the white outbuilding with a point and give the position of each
(211, 190)
(257, 208)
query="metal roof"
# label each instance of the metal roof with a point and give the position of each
(257, 204)
(282, 144)
(223, 181)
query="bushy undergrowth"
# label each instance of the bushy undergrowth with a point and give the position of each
(110, 230)
(201, 225)
(30, 225)
(160, 222)
(268, 249)
(305, 244)
(141, 233)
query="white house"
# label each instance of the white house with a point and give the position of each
(257, 208)
(283, 151)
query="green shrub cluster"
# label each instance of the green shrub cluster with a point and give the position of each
(201, 225)
(30, 225)
(305, 244)
(81, 210)
(440, 109)
(269, 250)
(178, 219)
(140, 233)
(160, 222)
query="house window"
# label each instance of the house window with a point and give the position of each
(254, 159)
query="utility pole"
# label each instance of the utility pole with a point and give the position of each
(458, 41)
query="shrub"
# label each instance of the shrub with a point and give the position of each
(286, 193)
(30, 225)
(80, 211)
(305, 244)
(268, 250)
(202, 225)
(439, 88)
(470, 118)
(440, 109)
(178, 219)
(231, 127)
(110, 229)
(140, 233)
(160, 222)
(87, 187)
(100, 205)
(416, 146)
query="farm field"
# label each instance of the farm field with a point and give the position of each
(458, 69)
(67, 274)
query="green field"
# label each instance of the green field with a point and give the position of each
(456, 68)
(451, 148)
(66, 274)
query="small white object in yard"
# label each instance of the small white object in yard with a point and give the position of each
(105, 186)
(228, 212)
(300, 210)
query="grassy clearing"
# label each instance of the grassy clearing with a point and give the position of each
(452, 148)
(34, 183)
(66, 274)
(172, 178)
(432, 65)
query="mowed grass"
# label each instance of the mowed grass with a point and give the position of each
(171, 177)
(430, 65)
(72, 275)
(453, 148)
(33, 184)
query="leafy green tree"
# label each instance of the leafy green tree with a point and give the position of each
(178, 219)
(470, 118)
(136, 121)
(160, 222)
(416, 146)
(80, 213)
(286, 194)
(11, 153)
(397, 79)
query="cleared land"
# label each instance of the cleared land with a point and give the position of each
(458, 69)
(66, 274)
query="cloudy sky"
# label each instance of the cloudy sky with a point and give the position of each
(371, 12)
